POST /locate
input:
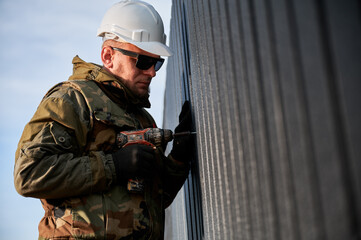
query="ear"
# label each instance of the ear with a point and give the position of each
(107, 57)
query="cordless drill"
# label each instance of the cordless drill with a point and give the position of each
(154, 137)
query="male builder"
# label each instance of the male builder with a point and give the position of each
(68, 154)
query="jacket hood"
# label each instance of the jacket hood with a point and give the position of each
(95, 72)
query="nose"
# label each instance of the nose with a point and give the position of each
(150, 72)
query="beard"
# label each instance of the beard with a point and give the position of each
(140, 92)
(143, 96)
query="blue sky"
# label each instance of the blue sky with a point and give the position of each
(39, 38)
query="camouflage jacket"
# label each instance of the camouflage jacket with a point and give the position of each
(64, 158)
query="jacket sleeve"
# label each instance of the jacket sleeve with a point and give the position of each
(49, 162)
(175, 173)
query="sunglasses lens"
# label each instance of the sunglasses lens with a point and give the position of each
(145, 62)
(158, 64)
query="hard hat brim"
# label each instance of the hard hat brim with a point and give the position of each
(156, 48)
(153, 47)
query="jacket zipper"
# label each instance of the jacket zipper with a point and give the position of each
(146, 196)
(105, 217)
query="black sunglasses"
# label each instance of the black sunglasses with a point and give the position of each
(143, 62)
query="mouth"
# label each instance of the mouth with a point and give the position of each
(144, 83)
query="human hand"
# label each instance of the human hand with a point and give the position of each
(137, 160)
(183, 146)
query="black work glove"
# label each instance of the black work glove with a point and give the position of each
(137, 160)
(183, 146)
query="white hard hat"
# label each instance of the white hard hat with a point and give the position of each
(135, 22)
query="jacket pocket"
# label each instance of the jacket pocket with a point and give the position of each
(119, 213)
(88, 217)
(61, 137)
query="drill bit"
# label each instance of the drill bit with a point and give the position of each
(183, 134)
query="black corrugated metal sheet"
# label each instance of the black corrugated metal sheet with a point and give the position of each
(275, 90)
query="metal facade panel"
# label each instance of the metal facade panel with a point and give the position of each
(274, 87)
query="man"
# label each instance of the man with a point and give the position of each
(68, 154)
